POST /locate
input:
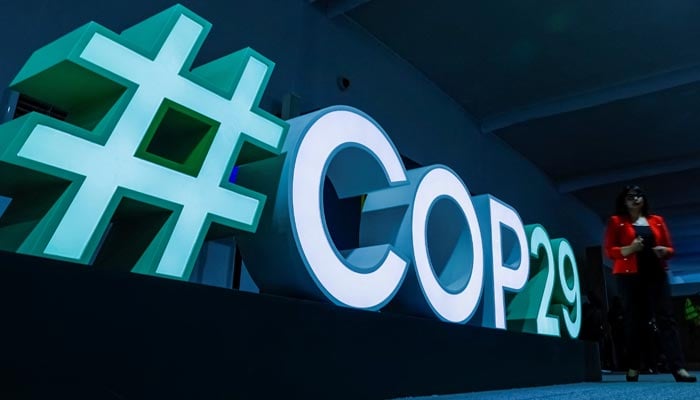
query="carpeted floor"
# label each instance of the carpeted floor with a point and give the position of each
(613, 387)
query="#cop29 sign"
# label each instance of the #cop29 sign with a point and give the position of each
(147, 150)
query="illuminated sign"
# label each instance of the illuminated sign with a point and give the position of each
(156, 152)
(141, 126)
(488, 262)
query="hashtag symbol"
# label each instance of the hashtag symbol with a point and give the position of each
(106, 167)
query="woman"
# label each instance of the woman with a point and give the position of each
(639, 244)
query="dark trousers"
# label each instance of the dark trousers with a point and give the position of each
(645, 296)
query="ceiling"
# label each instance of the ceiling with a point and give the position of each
(613, 87)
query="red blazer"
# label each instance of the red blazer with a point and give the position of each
(620, 232)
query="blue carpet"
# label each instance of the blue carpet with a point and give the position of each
(613, 387)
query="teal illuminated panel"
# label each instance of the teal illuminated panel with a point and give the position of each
(141, 125)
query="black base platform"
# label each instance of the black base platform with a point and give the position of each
(69, 331)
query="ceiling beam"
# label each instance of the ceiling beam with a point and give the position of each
(339, 7)
(627, 90)
(580, 182)
(680, 216)
(687, 236)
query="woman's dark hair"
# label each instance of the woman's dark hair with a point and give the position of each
(621, 207)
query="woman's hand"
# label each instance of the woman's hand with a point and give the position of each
(636, 245)
(660, 251)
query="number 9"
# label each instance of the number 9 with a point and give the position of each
(566, 299)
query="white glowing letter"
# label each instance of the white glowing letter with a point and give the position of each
(450, 305)
(506, 274)
(369, 276)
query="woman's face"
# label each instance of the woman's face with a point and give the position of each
(634, 200)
